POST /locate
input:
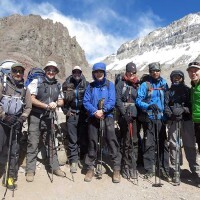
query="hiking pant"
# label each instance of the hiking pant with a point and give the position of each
(36, 124)
(188, 138)
(110, 138)
(77, 136)
(14, 148)
(197, 134)
(150, 146)
(130, 145)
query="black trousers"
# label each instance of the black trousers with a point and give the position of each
(150, 147)
(110, 138)
(130, 144)
(197, 134)
(77, 136)
(5, 132)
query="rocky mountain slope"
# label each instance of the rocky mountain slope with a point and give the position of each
(173, 46)
(33, 41)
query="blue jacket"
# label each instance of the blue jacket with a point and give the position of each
(99, 90)
(152, 93)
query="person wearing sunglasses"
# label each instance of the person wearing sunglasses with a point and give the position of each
(73, 90)
(46, 97)
(150, 100)
(179, 118)
(126, 93)
(15, 107)
(194, 74)
(99, 101)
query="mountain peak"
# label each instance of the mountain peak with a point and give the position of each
(174, 46)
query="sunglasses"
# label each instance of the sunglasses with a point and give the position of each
(194, 63)
(99, 71)
(51, 71)
(20, 71)
(76, 72)
(156, 70)
(131, 72)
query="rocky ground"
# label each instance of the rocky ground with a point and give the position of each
(101, 189)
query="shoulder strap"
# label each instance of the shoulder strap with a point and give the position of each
(4, 82)
(124, 88)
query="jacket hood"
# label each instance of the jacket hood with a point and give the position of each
(99, 66)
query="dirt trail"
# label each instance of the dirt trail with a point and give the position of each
(103, 189)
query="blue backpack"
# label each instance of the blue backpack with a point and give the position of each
(35, 73)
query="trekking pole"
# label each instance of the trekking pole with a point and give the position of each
(177, 156)
(131, 137)
(100, 140)
(8, 163)
(157, 153)
(58, 125)
(52, 139)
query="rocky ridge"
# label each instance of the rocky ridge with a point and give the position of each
(33, 41)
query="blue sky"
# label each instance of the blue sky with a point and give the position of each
(101, 26)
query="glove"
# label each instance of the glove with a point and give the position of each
(20, 122)
(154, 108)
(186, 110)
(178, 117)
(128, 118)
(168, 114)
(178, 111)
(10, 120)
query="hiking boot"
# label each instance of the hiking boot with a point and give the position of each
(59, 172)
(126, 172)
(89, 175)
(196, 178)
(165, 176)
(176, 178)
(29, 176)
(73, 167)
(116, 176)
(133, 173)
(149, 175)
(11, 185)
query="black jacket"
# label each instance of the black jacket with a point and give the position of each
(178, 96)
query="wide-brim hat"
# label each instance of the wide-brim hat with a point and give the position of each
(52, 64)
(77, 68)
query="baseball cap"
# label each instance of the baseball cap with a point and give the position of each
(193, 64)
(154, 66)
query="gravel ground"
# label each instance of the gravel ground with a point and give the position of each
(100, 189)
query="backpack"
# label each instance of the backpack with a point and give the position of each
(35, 73)
(118, 77)
(5, 68)
(143, 116)
(12, 105)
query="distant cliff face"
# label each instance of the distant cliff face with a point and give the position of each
(33, 41)
(173, 46)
